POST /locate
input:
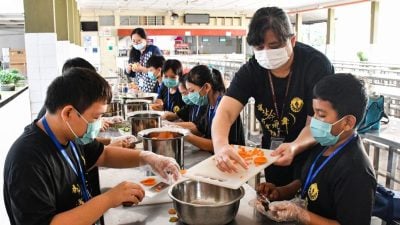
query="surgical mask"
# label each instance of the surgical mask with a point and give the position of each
(197, 99)
(271, 58)
(170, 83)
(139, 46)
(186, 100)
(151, 75)
(91, 133)
(321, 131)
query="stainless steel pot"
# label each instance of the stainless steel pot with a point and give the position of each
(113, 109)
(205, 204)
(135, 105)
(167, 141)
(144, 120)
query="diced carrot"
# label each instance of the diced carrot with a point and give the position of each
(260, 160)
(148, 181)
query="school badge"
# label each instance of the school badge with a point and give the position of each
(313, 192)
(176, 109)
(296, 104)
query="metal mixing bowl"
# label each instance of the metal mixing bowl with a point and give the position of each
(199, 203)
(167, 141)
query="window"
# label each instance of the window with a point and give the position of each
(106, 21)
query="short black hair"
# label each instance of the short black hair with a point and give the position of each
(77, 62)
(174, 65)
(156, 61)
(139, 31)
(201, 74)
(269, 18)
(345, 92)
(79, 87)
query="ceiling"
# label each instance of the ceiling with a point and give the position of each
(314, 10)
(237, 6)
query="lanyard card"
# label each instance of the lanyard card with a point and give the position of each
(275, 142)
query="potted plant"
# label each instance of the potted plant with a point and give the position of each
(8, 78)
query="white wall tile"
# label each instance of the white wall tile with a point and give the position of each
(47, 39)
(49, 72)
(36, 96)
(48, 50)
(36, 106)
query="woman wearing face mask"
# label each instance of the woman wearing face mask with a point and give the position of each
(280, 77)
(169, 98)
(206, 88)
(138, 56)
(190, 114)
(154, 66)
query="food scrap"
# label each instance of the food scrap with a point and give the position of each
(148, 181)
(173, 219)
(171, 211)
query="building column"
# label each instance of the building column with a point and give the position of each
(299, 25)
(373, 37)
(330, 34)
(40, 47)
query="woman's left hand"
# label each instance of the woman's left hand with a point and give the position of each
(287, 211)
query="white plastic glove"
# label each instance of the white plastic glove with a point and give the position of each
(287, 211)
(161, 165)
(123, 141)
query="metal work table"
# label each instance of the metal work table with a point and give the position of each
(157, 213)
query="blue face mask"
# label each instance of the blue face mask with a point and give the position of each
(321, 131)
(170, 83)
(186, 100)
(197, 99)
(151, 75)
(139, 46)
(91, 133)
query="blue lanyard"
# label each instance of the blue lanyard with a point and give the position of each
(311, 174)
(211, 111)
(197, 113)
(81, 175)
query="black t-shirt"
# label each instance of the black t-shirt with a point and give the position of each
(157, 87)
(38, 182)
(344, 189)
(252, 80)
(236, 134)
(192, 113)
(172, 102)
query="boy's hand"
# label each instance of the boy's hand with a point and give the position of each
(269, 190)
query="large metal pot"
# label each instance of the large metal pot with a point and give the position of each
(205, 204)
(142, 120)
(134, 105)
(114, 108)
(167, 141)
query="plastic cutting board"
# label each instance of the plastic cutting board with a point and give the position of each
(206, 171)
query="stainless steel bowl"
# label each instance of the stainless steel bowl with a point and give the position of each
(205, 204)
(134, 105)
(113, 109)
(143, 121)
(167, 141)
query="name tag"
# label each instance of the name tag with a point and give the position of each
(275, 142)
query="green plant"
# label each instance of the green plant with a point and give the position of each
(362, 56)
(10, 76)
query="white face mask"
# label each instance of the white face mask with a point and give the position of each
(271, 58)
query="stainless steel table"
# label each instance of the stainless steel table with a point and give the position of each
(157, 213)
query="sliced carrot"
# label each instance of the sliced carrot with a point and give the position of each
(260, 160)
(182, 171)
(148, 181)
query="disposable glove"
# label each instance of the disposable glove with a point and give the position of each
(287, 211)
(123, 141)
(161, 165)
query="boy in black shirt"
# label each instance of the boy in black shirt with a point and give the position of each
(45, 172)
(338, 182)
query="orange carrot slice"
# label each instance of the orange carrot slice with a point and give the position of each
(148, 181)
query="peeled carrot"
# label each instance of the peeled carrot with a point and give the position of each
(148, 181)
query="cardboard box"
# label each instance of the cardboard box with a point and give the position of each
(17, 56)
(21, 67)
